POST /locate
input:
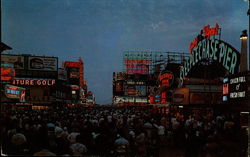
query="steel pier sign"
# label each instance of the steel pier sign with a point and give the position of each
(216, 50)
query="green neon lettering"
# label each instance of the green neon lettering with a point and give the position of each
(222, 52)
(229, 52)
(233, 63)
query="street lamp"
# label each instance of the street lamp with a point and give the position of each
(3, 47)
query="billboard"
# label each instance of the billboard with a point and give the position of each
(76, 71)
(140, 66)
(17, 61)
(235, 87)
(42, 63)
(14, 92)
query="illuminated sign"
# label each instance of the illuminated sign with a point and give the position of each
(206, 33)
(14, 92)
(216, 50)
(140, 66)
(73, 66)
(33, 82)
(7, 72)
(235, 87)
(166, 79)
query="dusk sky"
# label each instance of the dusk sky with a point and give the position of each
(100, 31)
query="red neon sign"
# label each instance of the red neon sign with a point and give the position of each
(207, 32)
(137, 66)
(79, 65)
(166, 79)
(7, 73)
(166, 76)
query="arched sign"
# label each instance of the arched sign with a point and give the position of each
(216, 50)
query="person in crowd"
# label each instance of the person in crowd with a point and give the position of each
(94, 130)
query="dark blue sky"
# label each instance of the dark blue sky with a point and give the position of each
(101, 30)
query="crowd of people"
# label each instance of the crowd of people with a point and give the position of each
(110, 131)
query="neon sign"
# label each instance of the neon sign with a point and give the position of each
(205, 33)
(14, 92)
(140, 66)
(7, 72)
(166, 79)
(33, 82)
(214, 49)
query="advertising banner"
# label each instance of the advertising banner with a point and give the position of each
(14, 92)
(235, 87)
(17, 61)
(42, 63)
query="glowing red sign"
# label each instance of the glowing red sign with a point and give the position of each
(207, 32)
(137, 66)
(72, 64)
(225, 88)
(79, 65)
(166, 79)
(7, 73)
